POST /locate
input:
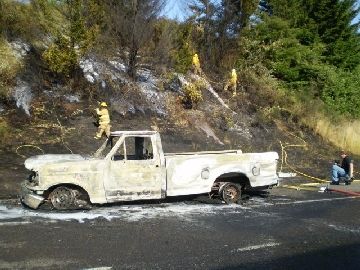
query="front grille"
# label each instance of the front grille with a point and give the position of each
(33, 179)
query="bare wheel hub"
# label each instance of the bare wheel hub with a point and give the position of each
(231, 193)
(62, 198)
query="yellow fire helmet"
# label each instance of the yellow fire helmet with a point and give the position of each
(103, 104)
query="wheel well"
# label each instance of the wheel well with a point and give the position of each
(82, 191)
(237, 178)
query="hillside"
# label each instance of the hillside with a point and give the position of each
(46, 116)
(297, 65)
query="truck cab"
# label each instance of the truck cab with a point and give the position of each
(135, 167)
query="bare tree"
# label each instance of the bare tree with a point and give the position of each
(222, 23)
(132, 24)
(205, 11)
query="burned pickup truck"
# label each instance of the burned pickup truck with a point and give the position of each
(131, 165)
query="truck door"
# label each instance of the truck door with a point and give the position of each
(136, 171)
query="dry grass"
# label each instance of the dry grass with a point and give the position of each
(4, 130)
(9, 67)
(177, 113)
(344, 134)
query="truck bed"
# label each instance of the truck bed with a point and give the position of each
(195, 172)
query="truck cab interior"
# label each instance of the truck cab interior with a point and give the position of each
(135, 148)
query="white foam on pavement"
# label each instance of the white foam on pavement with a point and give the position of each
(130, 213)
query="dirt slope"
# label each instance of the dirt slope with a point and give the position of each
(60, 119)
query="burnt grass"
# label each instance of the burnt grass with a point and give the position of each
(59, 126)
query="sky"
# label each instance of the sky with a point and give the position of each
(177, 9)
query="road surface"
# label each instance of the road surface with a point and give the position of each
(288, 229)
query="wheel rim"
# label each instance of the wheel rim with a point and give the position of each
(62, 198)
(231, 193)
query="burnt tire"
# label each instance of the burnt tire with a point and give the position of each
(62, 198)
(230, 193)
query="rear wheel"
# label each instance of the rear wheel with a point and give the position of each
(62, 198)
(230, 193)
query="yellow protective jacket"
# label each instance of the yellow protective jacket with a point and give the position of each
(233, 77)
(104, 117)
(196, 61)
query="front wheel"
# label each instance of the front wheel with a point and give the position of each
(230, 193)
(62, 198)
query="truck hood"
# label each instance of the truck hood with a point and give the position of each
(35, 162)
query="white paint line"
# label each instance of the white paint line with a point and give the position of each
(99, 268)
(343, 229)
(319, 200)
(12, 245)
(12, 223)
(273, 244)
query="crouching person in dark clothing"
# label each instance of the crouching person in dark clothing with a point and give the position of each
(343, 169)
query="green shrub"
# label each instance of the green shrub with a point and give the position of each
(341, 90)
(73, 41)
(182, 55)
(61, 57)
(192, 95)
(182, 59)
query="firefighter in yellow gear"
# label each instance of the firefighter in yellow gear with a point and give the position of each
(196, 64)
(104, 121)
(232, 82)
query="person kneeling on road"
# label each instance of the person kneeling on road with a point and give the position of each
(342, 169)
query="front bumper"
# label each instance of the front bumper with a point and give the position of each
(29, 198)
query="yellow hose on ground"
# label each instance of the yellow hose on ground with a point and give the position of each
(27, 145)
(284, 161)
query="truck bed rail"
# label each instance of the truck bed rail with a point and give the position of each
(204, 153)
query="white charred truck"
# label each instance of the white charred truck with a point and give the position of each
(131, 165)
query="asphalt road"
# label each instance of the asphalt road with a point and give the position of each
(287, 230)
